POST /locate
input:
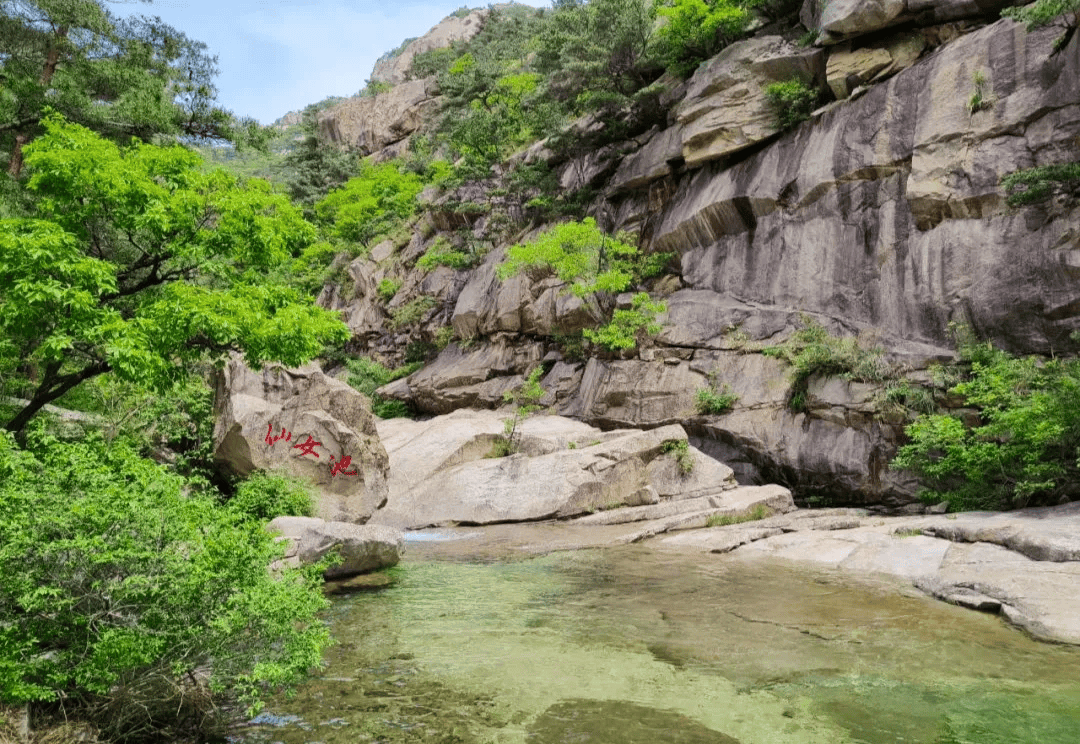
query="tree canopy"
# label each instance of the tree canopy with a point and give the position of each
(135, 261)
(120, 77)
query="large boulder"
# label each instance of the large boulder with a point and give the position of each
(837, 20)
(362, 548)
(441, 472)
(267, 420)
(725, 109)
(371, 123)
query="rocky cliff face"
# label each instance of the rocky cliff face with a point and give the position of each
(883, 216)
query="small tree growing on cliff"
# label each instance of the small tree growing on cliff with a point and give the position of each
(526, 400)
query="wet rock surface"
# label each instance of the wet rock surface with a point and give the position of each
(1023, 565)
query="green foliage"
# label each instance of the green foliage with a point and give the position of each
(311, 169)
(1034, 185)
(367, 376)
(121, 78)
(412, 312)
(710, 400)
(901, 398)
(580, 254)
(178, 419)
(263, 496)
(599, 47)
(441, 253)
(148, 611)
(526, 401)
(626, 326)
(680, 450)
(759, 512)
(696, 30)
(388, 288)
(137, 262)
(1026, 446)
(793, 101)
(979, 99)
(811, 350)
(373, 203)
(1040, 12)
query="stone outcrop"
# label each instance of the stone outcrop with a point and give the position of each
(836, 20)
(888, 212)
(262, 419)
(373, 123)
(883, 216)
(396, 69)
(1023, 565)
(441, 472)
(362, 548)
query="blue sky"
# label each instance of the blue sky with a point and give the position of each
(278, 56)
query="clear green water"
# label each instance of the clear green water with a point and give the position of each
(632, 645)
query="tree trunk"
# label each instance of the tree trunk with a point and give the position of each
(51, 388)
(52, 61)
(15, 164)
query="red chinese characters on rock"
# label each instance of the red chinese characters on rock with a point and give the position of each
(308, 448)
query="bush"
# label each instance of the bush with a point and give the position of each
(1040, 12)
(412, 312)
(367, 376)
(387, 289)
(793, 101)
(1026, 446)
(146, 611)
(696, 30)
(264, 496)
(526, 400)
(1033, 185)
(680, 450)
(626, 326)
(811, 350)
(441, 253)
(709, 400)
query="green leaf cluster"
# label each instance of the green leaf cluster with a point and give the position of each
(387, 289)
(1033, 185)
(373, 203)
(262, 496)
(119, 77)
(695, 30)
(441, 253)
(811, 350)
(580, 254)
(680, 450)
(136, 261)
(367, 376)
(793, 101)
(148, 611)
(1026, 446)
(412, 312)
(1040, 12)
(711, 400)
(626, 325)
(526, 401)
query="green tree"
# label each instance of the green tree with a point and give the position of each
(121, 78)
(312, 169)
(792, 100)
(137, 262)
(598, 47)
(148, 611)
(1025, 447)
(695, 30)
(370, 204)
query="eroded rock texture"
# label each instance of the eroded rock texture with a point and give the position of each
(303, 403)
